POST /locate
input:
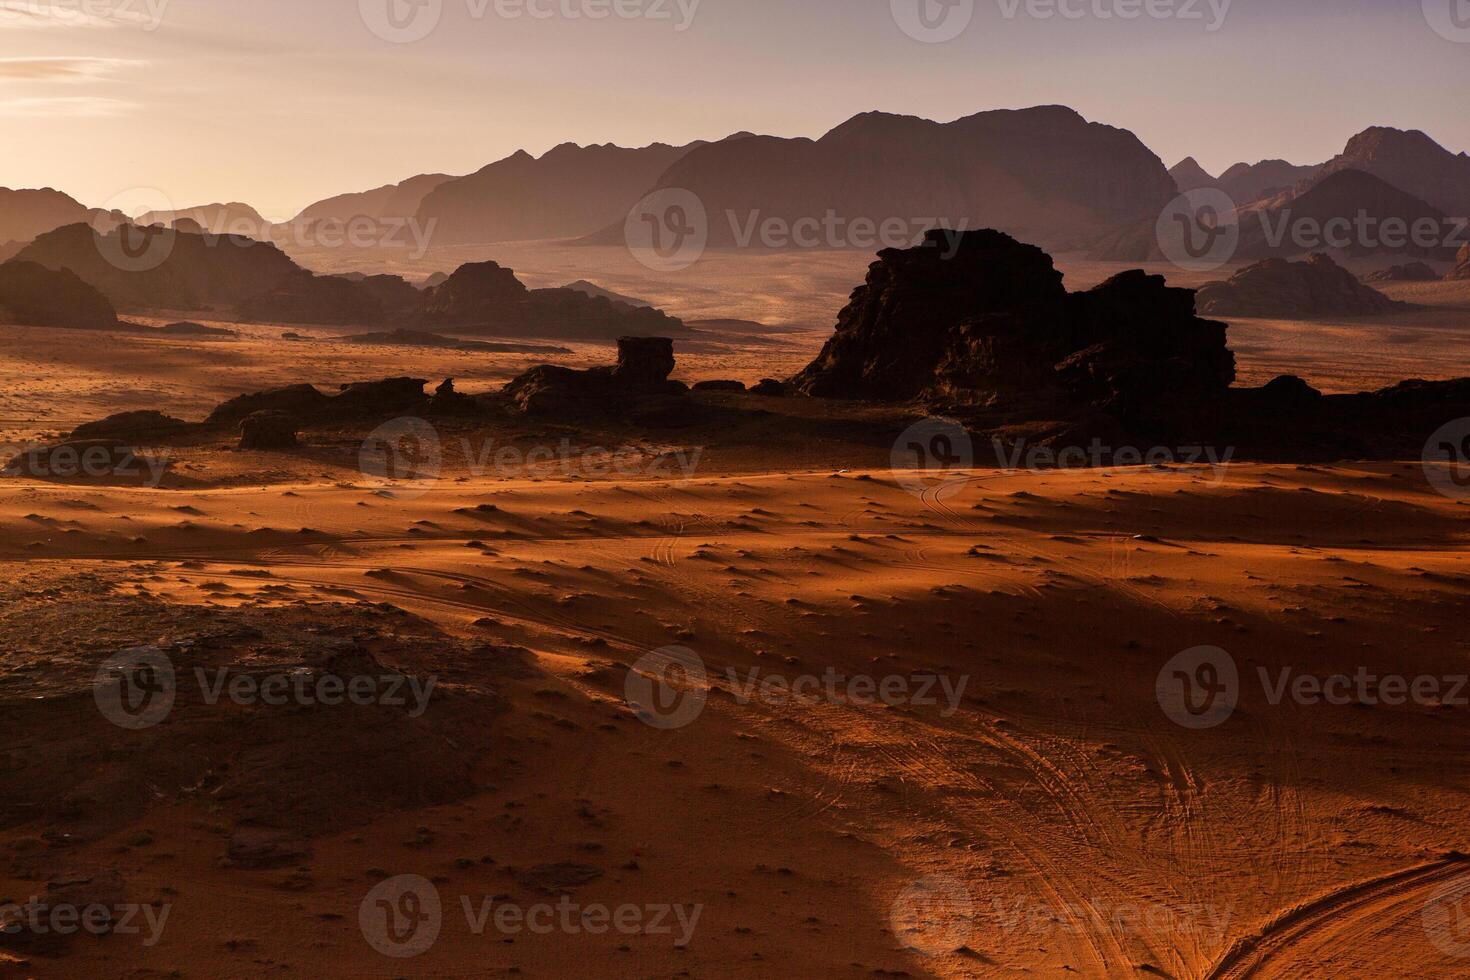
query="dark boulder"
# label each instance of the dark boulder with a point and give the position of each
(736, 386)
(33, 295)
(268, 430)
(644, 360)
(190, 329)
(1316, 287)
(771, 388)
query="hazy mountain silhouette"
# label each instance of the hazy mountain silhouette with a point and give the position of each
(1044, 173)
(568, 192)
(1412, 162)
(221, 219)
(24, 214)
(1347, 195)
(1248, 182)
(398, 201)
(1190, 176)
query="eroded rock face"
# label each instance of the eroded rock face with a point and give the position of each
(364, 400)
(1317, 287)
(33, 295)
(981, 320)
(1462, 265)
(135, 425)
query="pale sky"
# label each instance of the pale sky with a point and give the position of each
(278, 103)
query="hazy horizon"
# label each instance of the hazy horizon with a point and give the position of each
(211, 102)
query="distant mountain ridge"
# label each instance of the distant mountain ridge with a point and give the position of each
(24, 213)
(1045, 173)
(395, 201)
(568, 192)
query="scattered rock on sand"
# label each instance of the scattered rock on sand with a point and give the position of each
(265, 847)
(1317, 287)
(268, 430)
(556, 878)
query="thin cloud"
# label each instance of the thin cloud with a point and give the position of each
(61, 69)
(61, 14)
(52, 107)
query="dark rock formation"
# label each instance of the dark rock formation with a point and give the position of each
(641, 376)
(131, 425)
(1411, 161)
(1411, 272)
(299, 401)
(720, 386)
(644, 361)
(447, 401)
(1317, 287)
(33, 295)
(993, 328)
(361, 401)
(334, 300)
(26, 213)
(1247, 182)
(486, 298)
(81, 459)
(268, 430)
(771, 388)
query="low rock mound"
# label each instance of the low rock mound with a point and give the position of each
(131, 425)
(1412, 272)
(33, 295)
(420, 338)
(983, 321)
(486, 298)
(639, 378)
(190, 329)
(359, 401)
(1317, 287)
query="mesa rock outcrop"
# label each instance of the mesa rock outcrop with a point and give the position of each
(1316, 287)
(485, 298)
(1410, 272)
(993, 328)
(639, 379)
